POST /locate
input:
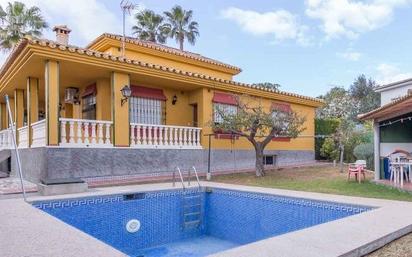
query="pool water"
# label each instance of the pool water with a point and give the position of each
(192, 223)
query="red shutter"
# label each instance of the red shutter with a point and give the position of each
(147, 92)
(220, 134)
(90, 90)
(284, 107)
(281, 139)
(223, 98)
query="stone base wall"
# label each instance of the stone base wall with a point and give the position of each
(48, 162)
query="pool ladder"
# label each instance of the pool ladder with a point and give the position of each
(191, 202)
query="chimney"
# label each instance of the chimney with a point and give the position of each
(62, 34)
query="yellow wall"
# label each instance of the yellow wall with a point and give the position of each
(181, 114)
(153, 59)
(304, 142)
(103, 100)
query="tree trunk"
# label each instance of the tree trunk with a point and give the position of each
(260, 170)
(181, 44)
(342, 150)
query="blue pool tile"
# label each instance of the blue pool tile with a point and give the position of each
(228, 219)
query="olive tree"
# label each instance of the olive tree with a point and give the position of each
(259, 125)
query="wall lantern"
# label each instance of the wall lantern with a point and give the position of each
(174, 100)
(126, 93)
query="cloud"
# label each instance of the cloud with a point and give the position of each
(350, 18)
(388, 73)
(281, 24)
(350, 55)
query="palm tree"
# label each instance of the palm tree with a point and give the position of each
(181, 25)
(150, 27)
(17, 21)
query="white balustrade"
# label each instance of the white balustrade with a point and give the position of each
(89, 133)
(23, 135)
(164, 137)
(38, 133)
(6, 139)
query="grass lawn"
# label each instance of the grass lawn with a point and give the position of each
(322, 179)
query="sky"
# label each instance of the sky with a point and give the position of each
(306, 46)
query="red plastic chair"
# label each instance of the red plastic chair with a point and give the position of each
(357, 169)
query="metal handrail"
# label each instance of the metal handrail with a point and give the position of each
(181, 177)
(197, 177)
(13, 136)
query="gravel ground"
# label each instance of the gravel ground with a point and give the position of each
(398, 248)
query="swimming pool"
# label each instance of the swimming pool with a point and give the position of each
(192, 222)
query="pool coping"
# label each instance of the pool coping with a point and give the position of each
(352, 236)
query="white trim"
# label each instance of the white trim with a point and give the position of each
(376, 149)
(401, 83)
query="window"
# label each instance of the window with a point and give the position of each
(279, 113)
(227, 109)
(269, 160)
(146, 111)
(89, 107)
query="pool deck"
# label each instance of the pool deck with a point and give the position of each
(27, 231)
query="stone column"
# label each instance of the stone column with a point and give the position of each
(120, 114)
(32, 104)
(376, 149)
(52, 84)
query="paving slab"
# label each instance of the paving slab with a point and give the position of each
(28, 232)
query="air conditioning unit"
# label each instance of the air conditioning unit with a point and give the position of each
(71, 95)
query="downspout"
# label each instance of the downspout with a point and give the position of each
(376, 149)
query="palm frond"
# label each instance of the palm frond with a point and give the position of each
(18, 21)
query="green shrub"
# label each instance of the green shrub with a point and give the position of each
(329, 149)
(365, 152)
(323, 127)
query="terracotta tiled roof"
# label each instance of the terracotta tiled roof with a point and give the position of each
(373, 113)
(166, 49)
(83, 51)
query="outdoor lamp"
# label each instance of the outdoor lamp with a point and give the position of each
(126, 93)
(174, 100)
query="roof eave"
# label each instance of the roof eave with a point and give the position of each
(230, 85)
(94, 45)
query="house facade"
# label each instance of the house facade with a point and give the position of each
(392, 123)
(74, 118)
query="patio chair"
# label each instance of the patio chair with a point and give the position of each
(358, 169)
(395, 170)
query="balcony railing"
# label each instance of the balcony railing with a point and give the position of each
(167, 137)
(38, 133)
(23, 134)
(81, 133)
(6, 140)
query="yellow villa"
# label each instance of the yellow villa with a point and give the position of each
(98, 112)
